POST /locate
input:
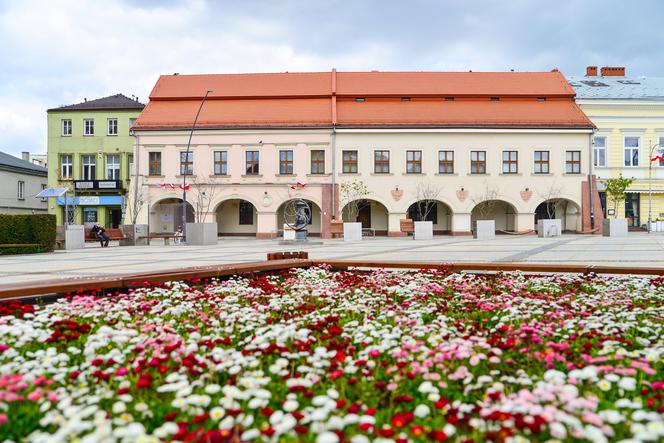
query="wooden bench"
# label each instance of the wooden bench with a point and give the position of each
(407, 225)
(113, 234)
(166, 237)
(287, 255)
(336, 228)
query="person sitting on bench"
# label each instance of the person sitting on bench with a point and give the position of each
(100, 233)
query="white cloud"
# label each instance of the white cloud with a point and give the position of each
(71, 50)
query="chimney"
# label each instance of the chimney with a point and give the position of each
(591, 71)
(25, 156)
(613, 71)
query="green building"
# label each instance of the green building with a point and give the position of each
(90, 152)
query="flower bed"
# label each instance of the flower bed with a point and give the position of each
(313, 355)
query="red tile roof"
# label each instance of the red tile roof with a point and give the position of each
(321, 99)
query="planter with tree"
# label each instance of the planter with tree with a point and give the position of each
(552, 226)
(615, 191)
(135, 234)
(485, 204)
(427, 194)
(353, 196)
(202, 232)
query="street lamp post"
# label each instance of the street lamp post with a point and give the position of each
(184, 172)
(650, 160)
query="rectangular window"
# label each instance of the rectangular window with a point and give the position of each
(446, 162)
(112, 126)
(154, 163)
(382, 162)
(43, 186)
(186, 163)
(131, 123)
(88, 126)
(573, 162)
(349, 162)
(246, 213)
(89, 167)
(66, 128)
(21, 190)
(113, 167)
(318, 161)
(130, 165)
(252, 163)
(541, 165)
(89, 215)
(65, 166)
(660, 150)
(599, 159)
(510, 162)
(478, 162)
(286, 162)
(413, 162)
(632, 145)
(220, 162)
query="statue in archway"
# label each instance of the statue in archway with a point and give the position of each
(297, 215)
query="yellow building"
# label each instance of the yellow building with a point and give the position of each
(629, 114)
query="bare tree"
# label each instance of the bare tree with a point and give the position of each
(69, 218)
(353, 197)
(485, 201)
(426, 193)
(203, 193)
(552, 198)
(135, 205)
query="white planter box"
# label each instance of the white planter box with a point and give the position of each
(74, 237)
(549, 227)
(289, 233)
(423, 230)
(615, 227)
(352, 231)
(132, 235)
(485, 229)
(201, 234)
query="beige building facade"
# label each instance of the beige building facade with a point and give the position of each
(249, 157)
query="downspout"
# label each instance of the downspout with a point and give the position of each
(136, 169)
(591, 145)
(334, 141)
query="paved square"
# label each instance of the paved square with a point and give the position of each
(637, 249)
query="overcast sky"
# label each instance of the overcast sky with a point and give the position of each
(56, 52)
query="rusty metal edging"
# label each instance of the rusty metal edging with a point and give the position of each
(101, 284)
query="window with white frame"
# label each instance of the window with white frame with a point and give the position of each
(43, 186)
(88, 126)
(130, 164)
(113, 167)
(541, 162)
(632, 145)
(89, 167)
(21, 190)
(112, 126)
(66, 127)
(599, 158)
(131, 123)
(65, 166)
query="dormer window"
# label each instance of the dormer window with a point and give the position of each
(494, 99)
(360, 99)
(449, 99)
(405, 99)
(541, 99)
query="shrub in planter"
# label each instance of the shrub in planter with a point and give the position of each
(20, 249)
(28, 228)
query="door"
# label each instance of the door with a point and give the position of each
(633, 209)
(114, 218)
(364, 215)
